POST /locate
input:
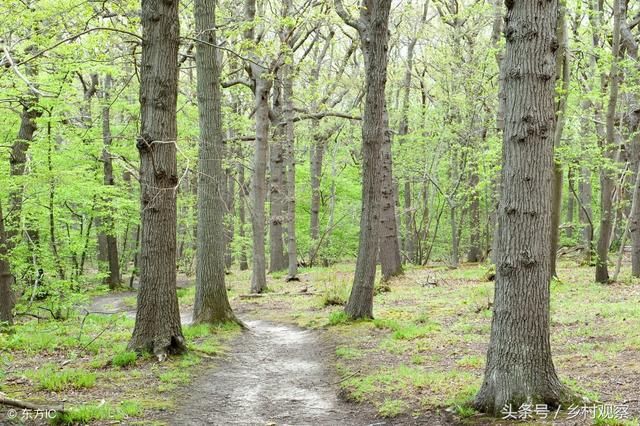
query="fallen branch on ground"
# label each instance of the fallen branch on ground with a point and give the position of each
(28, 405)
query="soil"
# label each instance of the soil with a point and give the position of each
(276, 374)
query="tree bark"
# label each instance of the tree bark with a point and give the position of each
(7, 299)
(157, 328)
(373, 29)
(277, 197)
(475, 252)
(113, 279)
(211, 302)
(242, 199)
(606, 179)
(290, 157)
(519, 367)
(562, 72)
(390, 259)
(259, 190)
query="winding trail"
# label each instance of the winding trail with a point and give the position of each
(276, 375)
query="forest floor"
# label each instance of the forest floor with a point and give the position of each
(419, 362)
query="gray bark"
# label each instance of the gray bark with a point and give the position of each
(373, 29)
(211, 302)
(562, 72)
(7, 299)
(519, 367)
(157, 328)
(113, 278)
(606, 178)
(390, 259)
(277, 190)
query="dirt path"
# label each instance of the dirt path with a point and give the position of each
(115, 303)
(276, 375)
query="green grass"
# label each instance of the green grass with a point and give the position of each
(49, 379)
(338, 317)
(124, 359)
(392, 408)
(348, 353)
(85, 414)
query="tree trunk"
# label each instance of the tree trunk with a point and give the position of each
(211, 302)
(242, 199)
(113, 279)
(390, 259)
(290, 157)
(571, 209)
(229, 217)
(373, 28)
(7, 299)
(316, 153)
(562, 71)
(606, 179)
(277, 258)
(475, 240)
(262, 88)
(519, 367)
(157, 328)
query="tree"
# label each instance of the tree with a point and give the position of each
(6, 279)
(373, 29)
(111, 242)
(519, 366)
(157, 328)
(211, 302)
(606, 178)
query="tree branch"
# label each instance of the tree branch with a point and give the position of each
(346, 17)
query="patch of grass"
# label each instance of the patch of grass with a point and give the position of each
(603, 420)
(580, 391)
(50, 379)
(462, 403)
(471, 361)
(392, 408)
(348, 353)
(124, 359)
(338, 317)
(336, 293)
(85, 414)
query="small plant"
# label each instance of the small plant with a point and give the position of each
(348, 353)
(124, 359)
(337, 293)
(392, 408)
(338, 317)
(49, 379)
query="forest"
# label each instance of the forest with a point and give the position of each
(320, 212)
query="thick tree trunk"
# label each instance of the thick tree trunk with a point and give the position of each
(373, 28)
(259, 190)
(634, 226)
(519, 367)
(157, 328)
(211, 302)
(7, 299)
(606, 179)
(390, 259)
(113, 279)
(277, 198)
(290, 157)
